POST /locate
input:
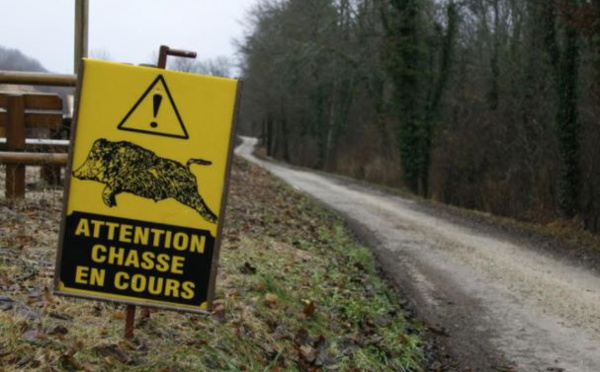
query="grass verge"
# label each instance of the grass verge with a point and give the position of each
(294, 292)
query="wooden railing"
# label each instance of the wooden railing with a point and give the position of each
(21, 114)
(37, 78)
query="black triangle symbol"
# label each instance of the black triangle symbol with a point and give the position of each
(177, 131)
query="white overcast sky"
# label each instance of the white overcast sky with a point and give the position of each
(127, 30)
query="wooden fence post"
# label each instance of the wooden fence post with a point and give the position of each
(15, 141)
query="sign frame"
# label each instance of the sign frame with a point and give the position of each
(219, 229)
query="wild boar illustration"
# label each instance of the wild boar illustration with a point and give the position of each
(126, 167)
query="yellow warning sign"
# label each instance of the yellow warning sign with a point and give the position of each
(146, 189)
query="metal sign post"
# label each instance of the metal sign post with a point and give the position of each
(164, 51)
(81, 32)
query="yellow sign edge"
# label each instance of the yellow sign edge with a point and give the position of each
(101, 296)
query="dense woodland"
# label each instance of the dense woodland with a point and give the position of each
(486, 104)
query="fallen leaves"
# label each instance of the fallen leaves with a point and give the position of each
(68, 360)
(116, 352)
(247, 269)
(271, 299)
(59, 331)
(309, 307)
(219, 314)
(313, 353)
(307, 353)
(6, 303)
(118, 315)
(35, 337)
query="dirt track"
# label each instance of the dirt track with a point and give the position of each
(497, 301)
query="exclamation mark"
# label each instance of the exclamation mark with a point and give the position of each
(156, 99)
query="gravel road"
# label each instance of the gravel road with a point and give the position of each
(499, 303)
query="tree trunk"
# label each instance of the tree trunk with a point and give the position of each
(565, 62)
